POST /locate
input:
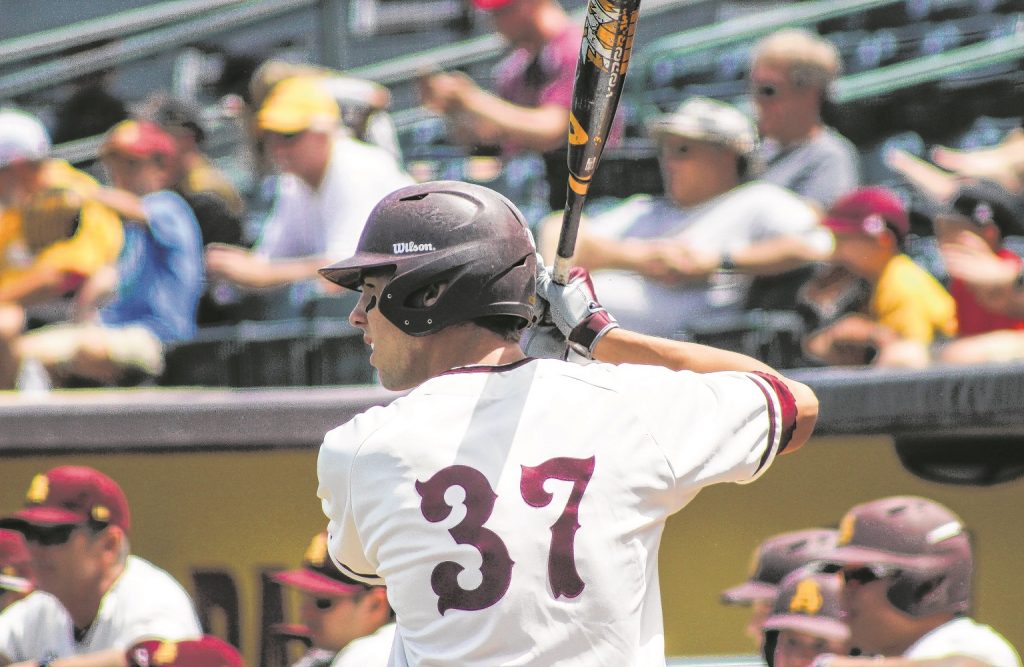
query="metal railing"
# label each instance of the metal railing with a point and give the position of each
(181, 33)
(118, 25)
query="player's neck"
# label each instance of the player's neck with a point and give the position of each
(469, 345)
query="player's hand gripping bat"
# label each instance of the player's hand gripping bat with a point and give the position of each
(600, 72)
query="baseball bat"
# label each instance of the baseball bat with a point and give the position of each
(600, 72)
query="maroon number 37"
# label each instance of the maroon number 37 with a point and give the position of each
(496, 567)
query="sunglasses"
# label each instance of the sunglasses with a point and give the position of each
(766, 90)
(867, 574)
(286, 137)
(48, 536)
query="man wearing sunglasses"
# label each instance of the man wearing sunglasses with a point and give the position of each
(907, 565)
(328, 184)
(790, 75)
(349, 621)
(100, 600)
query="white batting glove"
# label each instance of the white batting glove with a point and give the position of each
(575, 310)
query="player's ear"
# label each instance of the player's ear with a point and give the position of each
(428, 296)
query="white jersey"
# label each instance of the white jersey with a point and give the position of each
(328, 220)
(373, 650)
(515, 513)
(744, 216)
(144, 603)
(963, 636)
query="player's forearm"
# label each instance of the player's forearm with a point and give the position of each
(108, 658)
(621, 346)
(947, 661)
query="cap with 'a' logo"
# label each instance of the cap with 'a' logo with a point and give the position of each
(208, 651)
(72, 495)
(809, 601)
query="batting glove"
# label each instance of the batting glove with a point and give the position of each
(575, 310)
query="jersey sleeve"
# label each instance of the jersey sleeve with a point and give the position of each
(717, 427)
(334, 471)
(96, 243)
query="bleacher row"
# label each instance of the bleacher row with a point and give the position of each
(959, 100)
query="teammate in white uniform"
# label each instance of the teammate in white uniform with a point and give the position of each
(93, 598)
(339, 615)
(907, 563)
(514, 506)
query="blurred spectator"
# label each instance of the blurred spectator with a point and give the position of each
(97, 599)
(218, 207)
(791, 75)
(806, 620)
(772, 560)
(209, 651)
(908, 309)
(982, 213)
(154, 289)
(329, 185)
(53, 233)
(16, 576)
(529, 109)
(660, 263)
(363, 104)
(907, 565)
(91, 109)
(350, 621)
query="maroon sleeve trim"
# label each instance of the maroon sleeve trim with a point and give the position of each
(786, 420)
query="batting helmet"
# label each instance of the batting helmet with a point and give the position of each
(808, 601)
(776, 557)
(469, 237)
(924, 544)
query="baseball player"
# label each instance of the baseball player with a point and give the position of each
(98, 600)
(514, 506)
(806, 619)
(16, 577)
(907, 564)
(348, 621)
(773, 559)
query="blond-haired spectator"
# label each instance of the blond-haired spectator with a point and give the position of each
(329, 182)
(791, 74)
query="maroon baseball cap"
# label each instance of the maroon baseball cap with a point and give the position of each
(71, 495)
(902, 531)
(870, 211)
(15, 563)
(809, 601)
(775, 558)
(208, 651)
(318, 574)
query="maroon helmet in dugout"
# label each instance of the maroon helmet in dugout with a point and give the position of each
(924, 543)
(809, 602)
(776, 557)
(467, 236)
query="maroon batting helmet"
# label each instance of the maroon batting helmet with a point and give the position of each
(808, 601)
(467, 236)
(776, 557)
(923, 542)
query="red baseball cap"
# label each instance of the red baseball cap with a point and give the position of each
(491, 5)
(139, 138)
(71, 495)
(208, 651)
(870, 211)
(318, 574)
(15, 563)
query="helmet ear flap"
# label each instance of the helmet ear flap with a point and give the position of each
(919, 593)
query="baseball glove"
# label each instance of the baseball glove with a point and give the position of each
(51, 215)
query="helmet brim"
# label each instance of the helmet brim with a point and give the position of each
(349, 272)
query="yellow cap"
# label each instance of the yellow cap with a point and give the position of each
(297, 104)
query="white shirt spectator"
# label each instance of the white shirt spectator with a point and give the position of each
(144, 603)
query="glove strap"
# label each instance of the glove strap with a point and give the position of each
(585, 335)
